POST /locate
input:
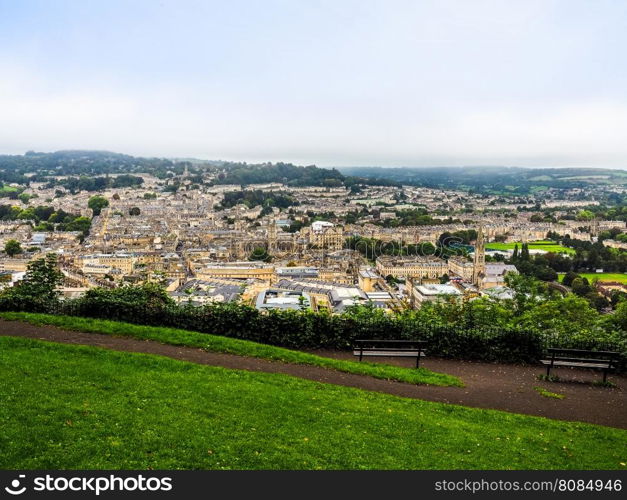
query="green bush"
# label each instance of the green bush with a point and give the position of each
(460, 331)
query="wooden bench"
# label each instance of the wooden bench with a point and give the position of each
(390, 348)
(580, 358)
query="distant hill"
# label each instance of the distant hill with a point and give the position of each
(41, 167)
(495, 180)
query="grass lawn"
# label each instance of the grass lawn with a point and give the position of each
(621, 278)
(5, 190)
(216, 343)
(80, 407)
(548, 246)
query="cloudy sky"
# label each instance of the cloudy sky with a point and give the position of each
(337, 82)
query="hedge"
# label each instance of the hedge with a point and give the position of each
(311, 330)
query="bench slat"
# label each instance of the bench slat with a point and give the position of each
(583, 360)
(582, 351)
(375, 341)
(576, 364)
(408, 354)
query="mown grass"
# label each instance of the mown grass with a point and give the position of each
(619, 277)
(216, 343)
(548, 246)
(79, 407)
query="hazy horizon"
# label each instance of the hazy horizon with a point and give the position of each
(397, 83)
(190, 158)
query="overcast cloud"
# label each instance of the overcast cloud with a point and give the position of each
(398, 83)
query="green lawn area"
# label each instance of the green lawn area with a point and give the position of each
(78, 407)
(216, 343)
(621, 278)
(5, 190)
(548, 246)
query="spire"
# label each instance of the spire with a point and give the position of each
(478, 271)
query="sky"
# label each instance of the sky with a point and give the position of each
(331, 83)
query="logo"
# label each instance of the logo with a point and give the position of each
(15, 489)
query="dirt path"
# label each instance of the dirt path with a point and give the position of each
(501, 387)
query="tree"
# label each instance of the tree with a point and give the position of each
(581, 287)
(12, 247)
(97, 203)
(43, 277)
(38, 291)
(134, 211)
(545, 273)
(260, 253)
(569, 277)
(619, 318)
(598, 301)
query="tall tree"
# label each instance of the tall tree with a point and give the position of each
(12, 248)
(97, 203)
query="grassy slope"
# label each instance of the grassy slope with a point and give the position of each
(84, 407)
(216, 343)
(621, 278)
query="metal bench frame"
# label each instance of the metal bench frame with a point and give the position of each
(390, 348)
(604, 360)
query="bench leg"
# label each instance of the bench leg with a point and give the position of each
(418, 361)
(604, 376)
(548, 371)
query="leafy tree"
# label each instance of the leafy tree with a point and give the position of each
(581, 287)
(561, 316)
(545, 273)
(97, 203)
(134, 211)
(38, 290)
(43, 277)
(260, 253)
(12, 248)
(598, 301)
(619, 318)
(569, 277)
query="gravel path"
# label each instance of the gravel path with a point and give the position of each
(487, 385)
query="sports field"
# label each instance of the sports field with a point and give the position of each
(547, 246)
(621, 278)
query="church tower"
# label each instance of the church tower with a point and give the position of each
(272, 235)
(478, 269)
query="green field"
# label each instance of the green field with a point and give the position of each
(621, 278)
(548, 246)
(216, 343)
(78, 407)
(6, 190)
